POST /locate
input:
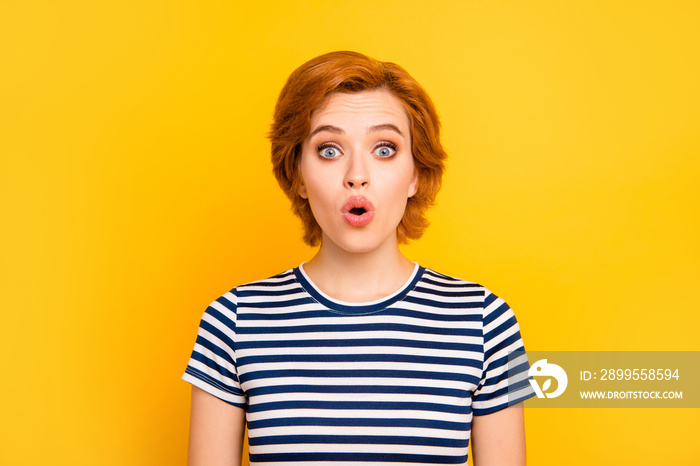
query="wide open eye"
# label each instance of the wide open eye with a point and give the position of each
(385, 150)
(328, 151)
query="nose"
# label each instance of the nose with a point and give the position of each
(357, 173)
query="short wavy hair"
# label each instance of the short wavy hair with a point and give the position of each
(305, 90)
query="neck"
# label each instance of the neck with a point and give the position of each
(359, 277)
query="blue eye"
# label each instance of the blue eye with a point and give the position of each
(385, 151)
(329, 152)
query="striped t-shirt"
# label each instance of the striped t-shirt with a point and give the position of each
(393, 381)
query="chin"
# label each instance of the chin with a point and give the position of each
(359, 248)
(359, 243)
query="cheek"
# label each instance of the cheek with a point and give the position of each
(400, 183)
(314, 184)
(396, 196)
(319, 192)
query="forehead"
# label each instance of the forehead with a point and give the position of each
(368, 107)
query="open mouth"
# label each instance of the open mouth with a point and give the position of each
(358, 211)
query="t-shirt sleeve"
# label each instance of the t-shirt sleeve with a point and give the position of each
(212, 365)
(504, 380)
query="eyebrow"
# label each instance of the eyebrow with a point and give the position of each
(371, 129)
(387, 126)
(329, 128)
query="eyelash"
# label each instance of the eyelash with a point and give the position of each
(327, 145)
(330, 145)
(388, 144)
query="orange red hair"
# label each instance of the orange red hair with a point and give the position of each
(305, 90)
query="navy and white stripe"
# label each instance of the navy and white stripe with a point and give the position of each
(393, 381)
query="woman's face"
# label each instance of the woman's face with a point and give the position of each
(357, 168)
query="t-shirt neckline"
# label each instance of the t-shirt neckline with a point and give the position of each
(345, 307)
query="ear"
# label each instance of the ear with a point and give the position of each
(413, 187)
(302, 191)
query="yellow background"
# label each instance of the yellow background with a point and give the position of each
(136, 188)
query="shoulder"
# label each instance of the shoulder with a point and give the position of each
(228, 302)
(442, 279)
(280, 280)
(445, 283)
(446, 286)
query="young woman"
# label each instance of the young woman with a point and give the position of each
(358, 356)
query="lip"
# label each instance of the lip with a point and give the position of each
(357, 202)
